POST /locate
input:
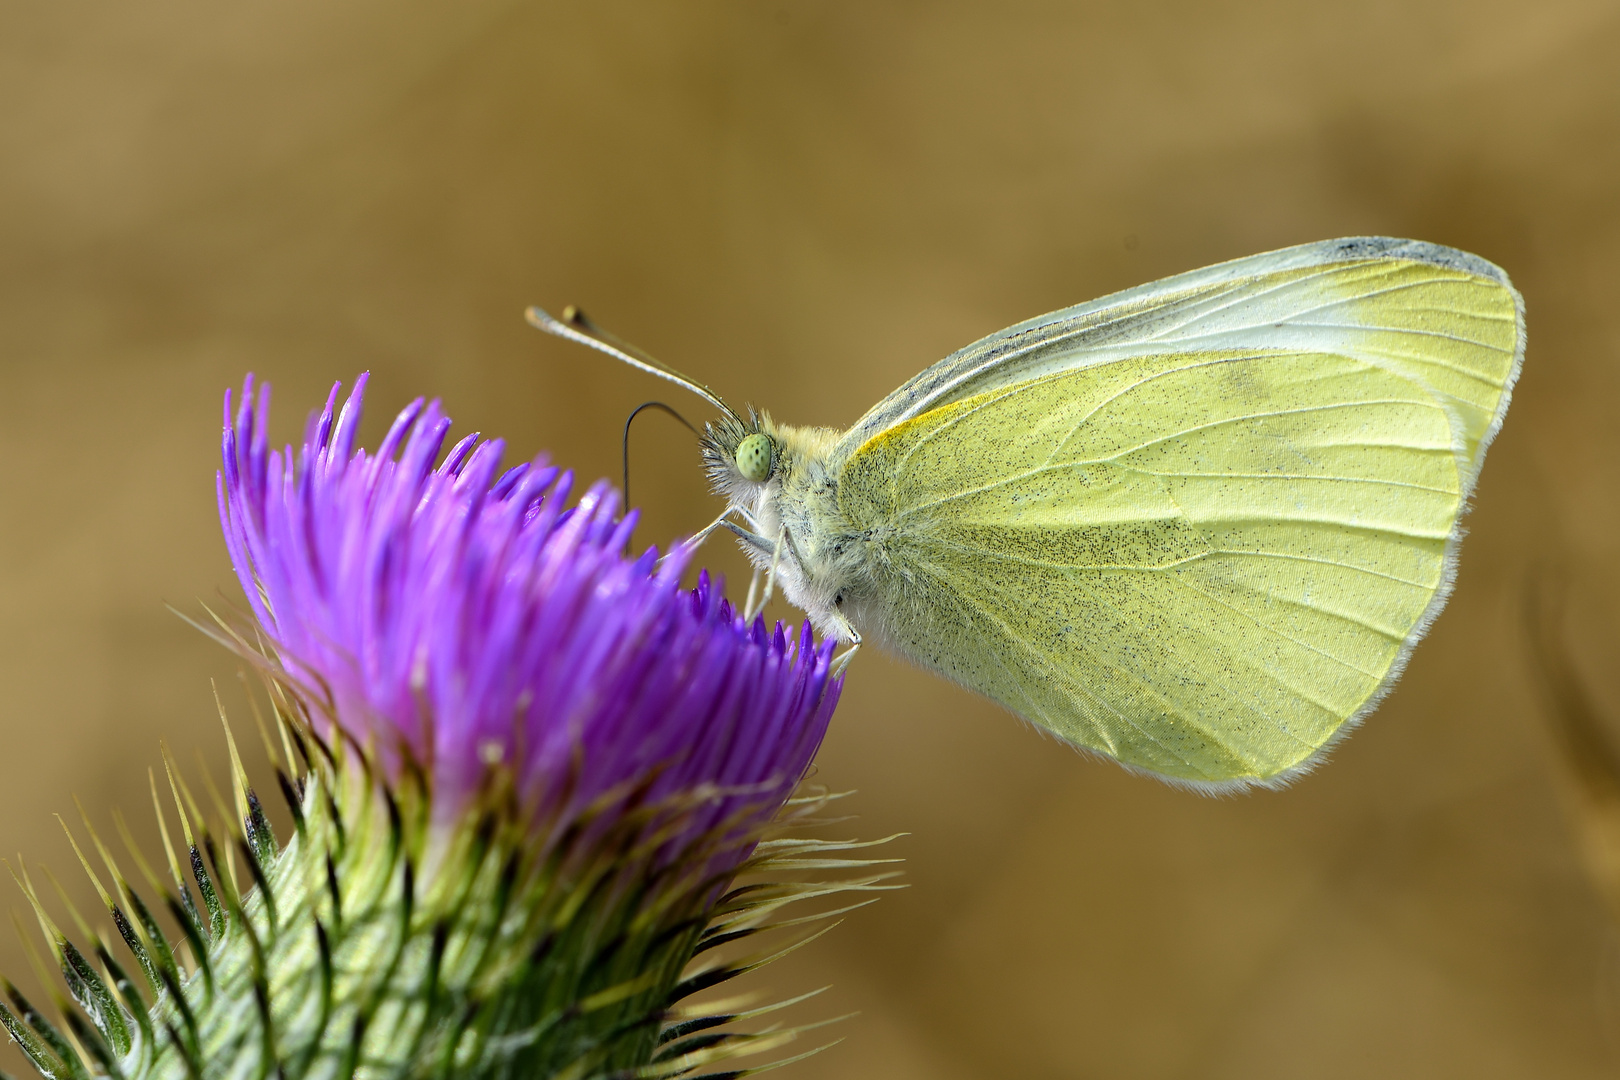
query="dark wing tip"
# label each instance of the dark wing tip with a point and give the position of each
(1390, 247)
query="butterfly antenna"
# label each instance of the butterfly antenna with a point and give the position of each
(635, 413)
(576, 326)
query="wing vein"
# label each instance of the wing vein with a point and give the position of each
(1292, 319)
(920, 508)
(1251, 297)
(1322, 562)
(1269, 414)
(1272, 519)
(1407, 330)
(1240, 613)
(1297, 476)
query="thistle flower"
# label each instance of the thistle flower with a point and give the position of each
(525, 772)
(460, 617)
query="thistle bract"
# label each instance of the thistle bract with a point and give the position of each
(524, 769)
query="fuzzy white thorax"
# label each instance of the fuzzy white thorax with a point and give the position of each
(818, 566)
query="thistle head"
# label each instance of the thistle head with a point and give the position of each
(530, 767)
(463, 619)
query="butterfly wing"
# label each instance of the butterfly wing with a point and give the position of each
(1200, 528)
(1443, 317)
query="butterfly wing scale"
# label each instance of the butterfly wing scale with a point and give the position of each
(1204, 545)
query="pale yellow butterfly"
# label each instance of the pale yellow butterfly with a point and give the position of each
(1197, 526)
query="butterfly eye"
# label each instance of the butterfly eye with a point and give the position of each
(754, 457)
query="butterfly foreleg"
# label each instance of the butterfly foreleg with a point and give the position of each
(770, 576)
(695, 541)
(760, 544)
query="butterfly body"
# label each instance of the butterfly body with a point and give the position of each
(1197, 526)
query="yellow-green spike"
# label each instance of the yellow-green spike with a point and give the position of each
(37, 962)
(47, 926)
(177, 784)
(258, 722)
(286, 739)
(238, 774)
(106, 898)
(695, 1010)
(759, 925)
(119, 882)
(134, 850)
(812, 1052)
(785, 1004)
(760, 959)
(232, 823)
(230, 868)
(222, 635)
(163, 830)
(85, 931)
(278, 712)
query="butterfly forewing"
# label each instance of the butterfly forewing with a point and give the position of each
(1199, 528)
(1445, 317)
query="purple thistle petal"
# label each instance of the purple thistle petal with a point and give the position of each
(457, 615)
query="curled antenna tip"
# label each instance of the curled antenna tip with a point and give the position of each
(574, 324)
(541, 319)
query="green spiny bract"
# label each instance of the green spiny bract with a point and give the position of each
(377, 942)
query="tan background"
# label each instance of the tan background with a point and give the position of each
(804, 203)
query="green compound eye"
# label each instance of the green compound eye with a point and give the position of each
(754, 457)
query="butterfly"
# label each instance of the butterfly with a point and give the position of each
(1197, 526)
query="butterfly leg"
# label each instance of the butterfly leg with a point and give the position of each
(695, 541)
(853, 636)
(770, 577)
(758, 543)
(749, 611)
(753, 590)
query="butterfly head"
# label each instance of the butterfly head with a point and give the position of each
(741, 455)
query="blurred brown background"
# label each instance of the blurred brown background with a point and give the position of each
(803, 203)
